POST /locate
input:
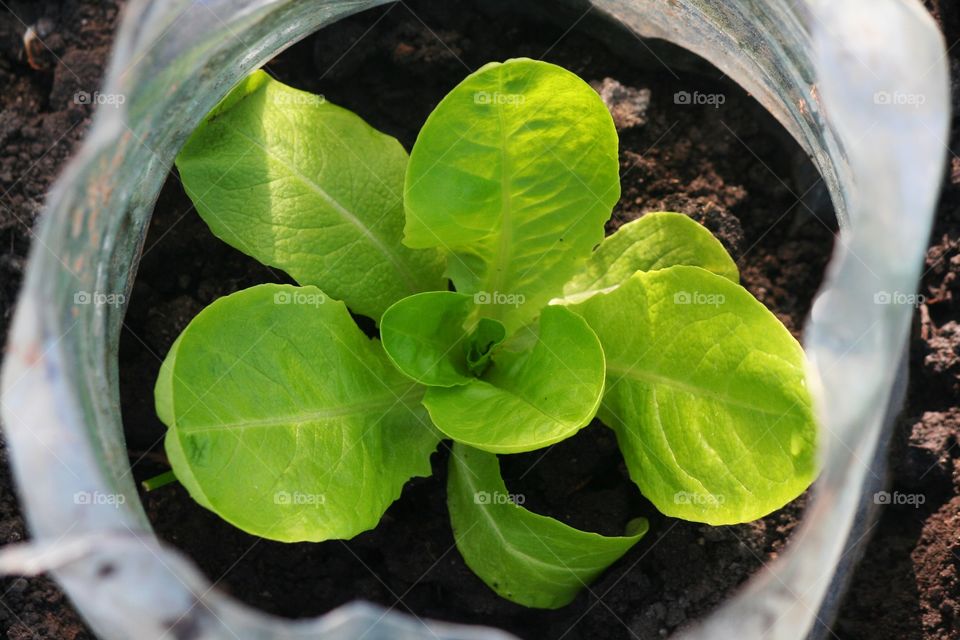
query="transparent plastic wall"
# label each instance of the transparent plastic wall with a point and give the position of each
(861, 84)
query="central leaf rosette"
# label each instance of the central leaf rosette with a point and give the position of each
(536, 387)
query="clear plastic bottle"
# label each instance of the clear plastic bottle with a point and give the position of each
(833, 73)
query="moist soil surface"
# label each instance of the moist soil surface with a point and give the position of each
(729, 166)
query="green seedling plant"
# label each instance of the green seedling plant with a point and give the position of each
(289, 422)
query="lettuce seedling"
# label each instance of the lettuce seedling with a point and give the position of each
(290, 423)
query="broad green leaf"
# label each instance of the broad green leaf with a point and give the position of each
(513, 176)
(425, 336)
(707, 394)
(163, 390)
(163, 399)
(526, 558)
(655, 241)
(286, 420)
(544, 385)
(310, 188)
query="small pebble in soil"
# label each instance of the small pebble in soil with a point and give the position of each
(36, 49)
(627, 105)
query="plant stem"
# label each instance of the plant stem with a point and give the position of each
(161, 480)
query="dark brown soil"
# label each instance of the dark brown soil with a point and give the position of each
(730, 168)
